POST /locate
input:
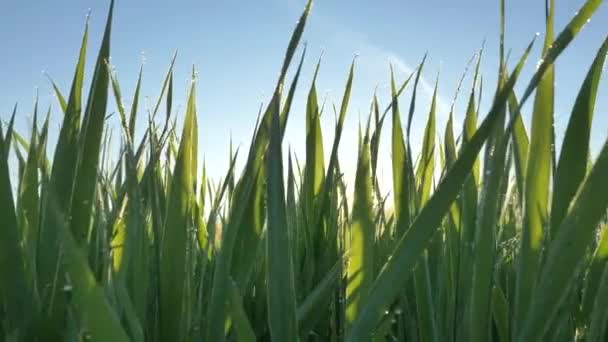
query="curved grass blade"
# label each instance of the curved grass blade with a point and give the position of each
(572, 165)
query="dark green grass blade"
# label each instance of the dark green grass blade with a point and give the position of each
(245, 189)
(28, 200)
(599, 318)
(56, 204)
(15, 285)
(90, 141)
(175, 232)
(280, 280)
(572, 165)
(9, 133)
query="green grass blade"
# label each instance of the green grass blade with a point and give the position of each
(535, 194)
(314, 168)
(241, 324)
(572, 165)
(290, 94)
(399, 160)
(426, 168)
(134, 105)
(90, 141)
(243, 192)
(566, 253)
(280, 280)
(410, 246)
(175, 232)
(62, 103)
(28, 199)
(360, 274)
(521, 144)
(15, 285)
(594, 273)
(56, 204)
(485, 244)
(9, 133)
(599, 318)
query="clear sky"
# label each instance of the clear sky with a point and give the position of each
(238, 46)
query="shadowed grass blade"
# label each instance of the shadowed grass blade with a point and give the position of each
(280, 280)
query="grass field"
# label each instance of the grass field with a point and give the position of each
(488, 234)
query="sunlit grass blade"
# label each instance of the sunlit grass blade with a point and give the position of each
(576, 232)
(175, 234)
(537, 174)
(410, 246)
(521, 144)
(399, 160)
(360, 274)
(426, 168)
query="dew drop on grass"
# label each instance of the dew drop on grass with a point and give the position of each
(537, 34)
(539, 63)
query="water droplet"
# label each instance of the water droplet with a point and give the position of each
(539, 63)
(537, 34)
(588, 20)
(88, 15)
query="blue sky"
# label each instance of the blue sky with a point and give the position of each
(238, 46)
